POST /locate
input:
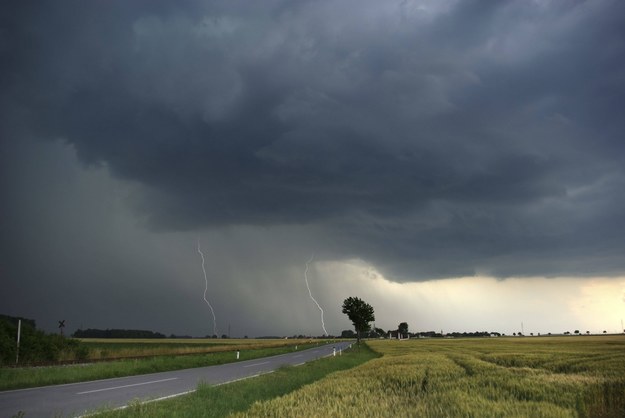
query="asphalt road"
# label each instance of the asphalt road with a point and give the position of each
(77, 399)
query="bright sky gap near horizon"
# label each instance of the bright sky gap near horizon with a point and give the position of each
(459, 165)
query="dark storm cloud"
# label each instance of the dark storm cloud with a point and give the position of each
(433, 138)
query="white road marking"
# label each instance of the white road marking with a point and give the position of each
(257, 364)
(66, 384)
(119, 408)
(126, 386)
(244, 378)
(178, 394)
(170, 396)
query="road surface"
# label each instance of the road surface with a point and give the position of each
(76, 399)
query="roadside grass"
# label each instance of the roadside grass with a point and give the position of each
(223, 400)
(521, 377)
(18, 378)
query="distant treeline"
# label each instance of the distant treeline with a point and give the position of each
(116, 333)
(471, 334)
(434, 334)
(379, 333)
(14, 320)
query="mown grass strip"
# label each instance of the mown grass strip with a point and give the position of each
(220, 401)
(19, 378)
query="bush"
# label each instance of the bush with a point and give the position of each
(35, 345)
(8, 335)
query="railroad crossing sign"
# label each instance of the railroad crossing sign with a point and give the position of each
(61, 325)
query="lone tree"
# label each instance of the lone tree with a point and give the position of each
(360, 313)
(403, 328)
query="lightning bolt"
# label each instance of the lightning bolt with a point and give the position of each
(206, 289)
(323, 325)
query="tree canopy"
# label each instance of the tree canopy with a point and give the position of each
(360, 313)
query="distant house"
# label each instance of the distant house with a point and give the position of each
(396, 335)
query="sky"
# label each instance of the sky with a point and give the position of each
(459, 165)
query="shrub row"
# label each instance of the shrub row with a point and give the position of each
(35, 345)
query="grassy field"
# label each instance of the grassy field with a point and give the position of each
(505, 377)
(164, 355)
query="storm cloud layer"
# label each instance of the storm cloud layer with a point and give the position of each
(433, 139)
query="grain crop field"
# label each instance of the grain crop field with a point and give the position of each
(577, 376)
(106, 348)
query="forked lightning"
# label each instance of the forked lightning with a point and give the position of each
(206, 289)
(323, 325)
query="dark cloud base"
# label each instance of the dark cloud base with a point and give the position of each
(435, 141)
